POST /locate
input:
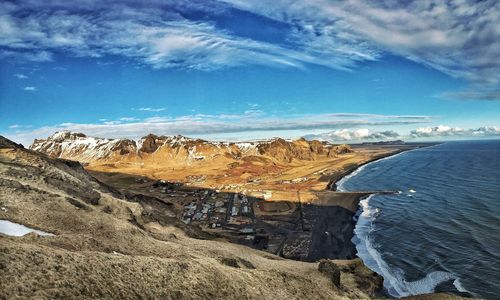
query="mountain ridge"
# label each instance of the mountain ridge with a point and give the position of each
(78, 146)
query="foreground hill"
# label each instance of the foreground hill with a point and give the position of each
(107, 244)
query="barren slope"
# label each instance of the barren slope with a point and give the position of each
(105, 246)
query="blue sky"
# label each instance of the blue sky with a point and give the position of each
(342, 71)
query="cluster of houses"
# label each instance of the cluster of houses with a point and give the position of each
(229, 211)
(209, 207)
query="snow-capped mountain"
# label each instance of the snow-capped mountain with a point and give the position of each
(78, 146)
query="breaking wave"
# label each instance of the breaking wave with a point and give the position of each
(439, 232)
(394, 279)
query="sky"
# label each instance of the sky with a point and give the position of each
(344, 71)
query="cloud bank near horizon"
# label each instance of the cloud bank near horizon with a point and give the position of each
(458, 38)
(447, 131)
(348, 135)
(251, 120)
(345, 127)
(437, 132)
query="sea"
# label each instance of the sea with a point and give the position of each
(441, 230)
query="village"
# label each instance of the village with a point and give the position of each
(226, 213)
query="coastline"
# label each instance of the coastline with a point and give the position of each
(330, 221)
(369, 256)
(332, 184)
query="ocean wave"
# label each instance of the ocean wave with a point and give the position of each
(394, 278)
(441, 238)
(458, 285)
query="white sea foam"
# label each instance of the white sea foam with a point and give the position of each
(458, 285)
(394, 279)
(15, 229)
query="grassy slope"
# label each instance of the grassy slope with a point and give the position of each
(112, 250)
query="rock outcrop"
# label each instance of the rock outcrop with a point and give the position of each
(150, 143)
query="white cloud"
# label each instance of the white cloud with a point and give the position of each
(17, 126)
(158, 109)
(105, 123)
(459, 38)
(362, 134)
(447, 131)
(33, 56)
(456, 37)
(20, 76)
(479, 93)
(128, 119)
(203, 125)
(30, 88)
(161, 36)
(423, 133)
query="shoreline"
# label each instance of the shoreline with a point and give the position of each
(370, 257)
(331, 219)
(353, 220)
(332, 183)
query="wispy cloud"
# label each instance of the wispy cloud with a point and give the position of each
(109, 123)
(157, 35)
(128, 119)
(202, 125)
(30, 88)
(480, 93)
(17, 126)
(119, 120)
(459, 38)
(20, 76)
(152, 109)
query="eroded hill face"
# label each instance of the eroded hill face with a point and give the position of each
(119, 245)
